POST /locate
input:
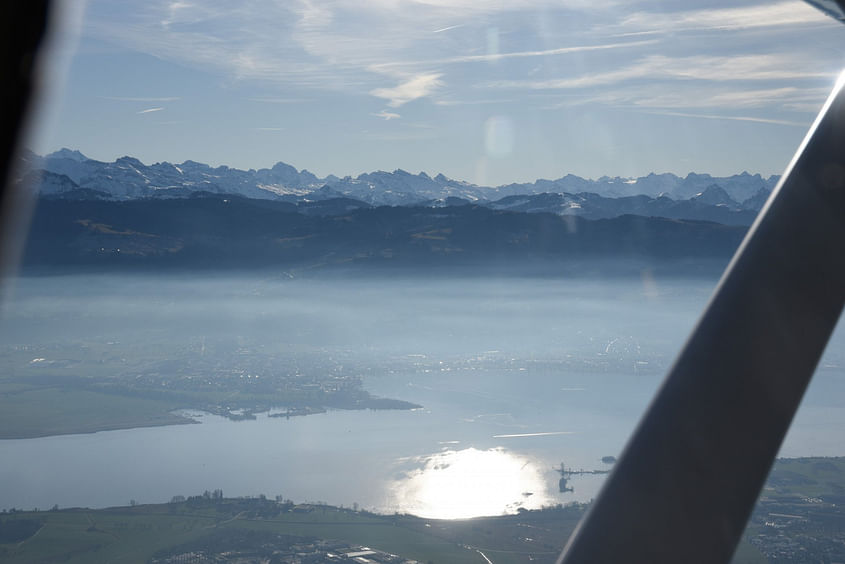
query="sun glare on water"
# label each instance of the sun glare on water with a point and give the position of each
(458, 484)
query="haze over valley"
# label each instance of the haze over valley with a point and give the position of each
(386, 282)
(477, 335)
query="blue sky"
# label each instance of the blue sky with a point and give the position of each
(489, 92)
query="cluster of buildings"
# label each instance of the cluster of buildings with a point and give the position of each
(798, 530)
(316, 552)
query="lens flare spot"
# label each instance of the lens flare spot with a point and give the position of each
(498, 136)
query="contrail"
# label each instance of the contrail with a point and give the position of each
(447, 28)
(546, 434)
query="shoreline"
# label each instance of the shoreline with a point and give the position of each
(99, 429)
(373, 404)
(780, 478)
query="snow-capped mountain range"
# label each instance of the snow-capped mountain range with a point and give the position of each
(70, 174)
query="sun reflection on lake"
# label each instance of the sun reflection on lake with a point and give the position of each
(456, 484)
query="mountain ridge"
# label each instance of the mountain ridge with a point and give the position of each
(235, 232)
(128, 178)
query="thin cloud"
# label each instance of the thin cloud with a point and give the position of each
(279, 100)
(418, 87)
(418, 125)
(804, 106)
(682, 96)
(473, 102)
(491, 57)
(548, 52)
(141, 99)
(387, 115)
(637, 33)
(328, 46)
(442, 29)
(654, 67)
(344, 45)
(544, 434)
(409, 134)
(752, 98)
(150, 110)
(571, 52)
(780, 14)
(733, 118)
(174, 10)
(240, 43)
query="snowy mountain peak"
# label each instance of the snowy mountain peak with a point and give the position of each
(715, 195)
(128, 178)
(132, 161)
(65, 153)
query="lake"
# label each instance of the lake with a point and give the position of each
(515, 376)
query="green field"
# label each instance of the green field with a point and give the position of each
(54, 411)
(797, 519)
(75, 394)
(84, 386)
(137, 534)
(808, 477)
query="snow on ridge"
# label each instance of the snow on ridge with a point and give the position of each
(284, 190)
(128, 177)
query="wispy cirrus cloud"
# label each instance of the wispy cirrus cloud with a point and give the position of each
(341, 45)
(727, 117)
(174, 10)
(412, 89)
(697, 67)
(279, 100)
(238, 41)
(694, 59)
(697, 96)
(492, 57)
(142, 98)
(348, 45)
(755, 98)
(474, 101)
(387, 115)
(150, 110)
(776, 14)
